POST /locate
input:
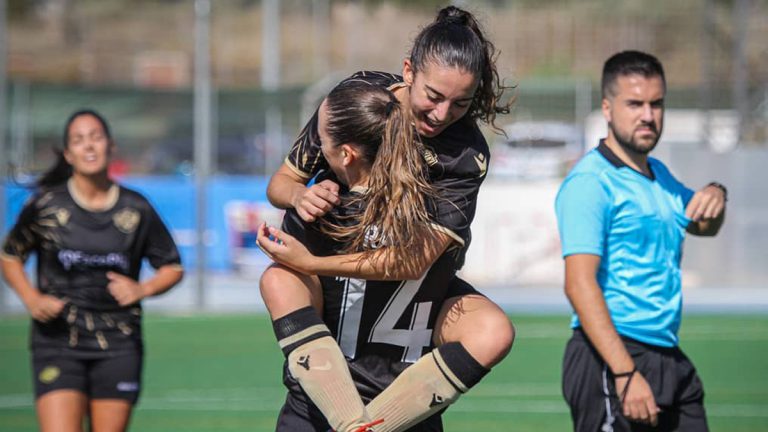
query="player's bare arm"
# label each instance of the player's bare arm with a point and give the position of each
(287, 189)
(286, 250)
(706, 211)
(586, 297)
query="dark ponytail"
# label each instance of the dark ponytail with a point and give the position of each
(61, 171)
(455, 39)
(394, 207)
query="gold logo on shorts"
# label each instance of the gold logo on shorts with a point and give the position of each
(126, 220)
(49, 374)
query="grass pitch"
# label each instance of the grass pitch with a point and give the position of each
(222, 373)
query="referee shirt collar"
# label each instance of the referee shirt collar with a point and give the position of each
(611, 157)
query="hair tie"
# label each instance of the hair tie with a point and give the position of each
(389, 107)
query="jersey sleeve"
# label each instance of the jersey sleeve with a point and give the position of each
(22, 240)
(159, 249)
(458, 163)
(305, 157)
(583, 215)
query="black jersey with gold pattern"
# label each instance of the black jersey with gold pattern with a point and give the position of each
(381, 326)
(457, 159)
(75, 249)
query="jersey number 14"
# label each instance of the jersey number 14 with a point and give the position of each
(413, 339)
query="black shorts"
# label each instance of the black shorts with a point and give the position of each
(300, 414)
(589, 388)
(115, 376)
(460, 287)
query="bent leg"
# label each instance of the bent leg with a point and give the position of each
(473, 334)
(61, 411)
(314, 358)
(479, 325)
(435, 381)
(284, 291)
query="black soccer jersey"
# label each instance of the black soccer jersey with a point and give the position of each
(75, 249)
(381, 326)
(457, 159)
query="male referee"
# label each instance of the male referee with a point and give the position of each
(622, 218)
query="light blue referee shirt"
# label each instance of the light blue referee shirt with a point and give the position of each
(636, 225)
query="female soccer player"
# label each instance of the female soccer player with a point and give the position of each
(449, 82)
(90, 236)
(366, 134)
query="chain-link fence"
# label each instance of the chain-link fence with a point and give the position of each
(133, 61)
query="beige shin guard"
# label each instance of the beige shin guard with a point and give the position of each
(321, 370)
(420, 391)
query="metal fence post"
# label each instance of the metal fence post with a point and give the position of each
(202, 102)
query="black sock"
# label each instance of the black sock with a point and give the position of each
(299, 327)
(461, 369)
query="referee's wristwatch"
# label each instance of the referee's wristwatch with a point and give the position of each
(721, 187)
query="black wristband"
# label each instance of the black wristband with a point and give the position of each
(629, 375)
(721, 187)
(626, 374)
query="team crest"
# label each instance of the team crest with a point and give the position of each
(429, 156)
(62, 216)
(126, 220)
(49, 374)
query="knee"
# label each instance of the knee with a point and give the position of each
(487, 334)
(284, 290)
(269, 283)
(498, 334)
(489, 338)
(280, 291)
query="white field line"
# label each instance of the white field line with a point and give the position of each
(688, 333)
(499, 398)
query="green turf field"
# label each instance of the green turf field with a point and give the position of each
(222, 373)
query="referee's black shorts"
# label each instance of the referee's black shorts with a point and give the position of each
(589, 388)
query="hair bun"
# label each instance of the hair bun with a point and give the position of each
(453, 15)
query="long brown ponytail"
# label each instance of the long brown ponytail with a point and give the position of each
(395, 206)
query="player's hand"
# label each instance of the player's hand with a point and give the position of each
(317, 200)
(284, 249)
(639, 404)
(707, 203)
(45, 307)
(124, 289)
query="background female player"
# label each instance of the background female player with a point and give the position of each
(448, 83)
(90, 236)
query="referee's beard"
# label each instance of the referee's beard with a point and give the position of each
(631, 143)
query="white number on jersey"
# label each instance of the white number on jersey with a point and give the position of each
(413, 339)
